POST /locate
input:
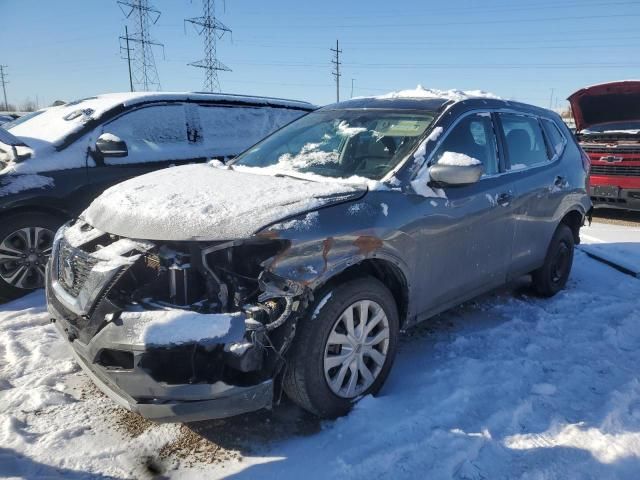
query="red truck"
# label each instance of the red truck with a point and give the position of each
(608, 128)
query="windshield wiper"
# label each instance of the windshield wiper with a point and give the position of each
(282, 175)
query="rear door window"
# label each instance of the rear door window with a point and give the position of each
(471, 139)
(228, 131)
(524, 141)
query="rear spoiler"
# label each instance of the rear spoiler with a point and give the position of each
(11, 141)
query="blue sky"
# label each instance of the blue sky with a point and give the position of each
(66, 49)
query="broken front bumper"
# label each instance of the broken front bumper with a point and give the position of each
(122, 376)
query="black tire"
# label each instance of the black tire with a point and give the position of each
(304, 377)
(14, 223)
(552, 276)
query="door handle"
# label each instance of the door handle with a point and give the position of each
(504, 199)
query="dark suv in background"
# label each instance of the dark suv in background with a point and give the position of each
(55, 161)
(193, 292)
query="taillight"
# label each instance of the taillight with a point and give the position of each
(586, 161)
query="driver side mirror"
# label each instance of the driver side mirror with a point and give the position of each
(455, 174)
(110, 145)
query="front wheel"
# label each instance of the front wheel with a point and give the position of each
(25, 246)
(552, 276)
(344, 349)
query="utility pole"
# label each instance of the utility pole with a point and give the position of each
(551, 100)
(336, 68)
(144, 74)
(4, 82)
(352, 80)
(212, 30)
(128, 49)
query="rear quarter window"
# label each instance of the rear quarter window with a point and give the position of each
(557, 140)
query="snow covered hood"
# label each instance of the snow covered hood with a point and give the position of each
(204, 202)
(605, 103)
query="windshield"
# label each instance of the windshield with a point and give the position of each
(630, 126)
(341, 143)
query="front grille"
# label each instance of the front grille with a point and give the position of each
(612, 150)
(74, 266)
(616, 170)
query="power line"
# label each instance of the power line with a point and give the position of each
(142, 16)
(435, 12)
(128, 49)
(439, 23)
(336, 68)
(4, 82)
(212, 30)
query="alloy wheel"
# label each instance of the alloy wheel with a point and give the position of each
(356, 349)
(24, 255)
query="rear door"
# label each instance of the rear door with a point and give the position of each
(532, 166)
(466, 238)
(157, 136)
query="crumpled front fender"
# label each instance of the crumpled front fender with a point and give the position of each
(325, 242)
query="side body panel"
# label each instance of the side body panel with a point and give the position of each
(448, 250)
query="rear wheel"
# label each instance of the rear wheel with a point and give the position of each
(345, 349)
(552, 276)
(25, 246)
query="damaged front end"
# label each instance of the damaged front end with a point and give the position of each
(176, 331)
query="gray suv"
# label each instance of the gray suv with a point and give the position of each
(201, 291)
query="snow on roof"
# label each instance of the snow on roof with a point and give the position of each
(455, 95)
(131, 98)
(55, 124)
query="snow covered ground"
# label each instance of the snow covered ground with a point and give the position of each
(613, 243)
(509, 386)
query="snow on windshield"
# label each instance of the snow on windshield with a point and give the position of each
(336, 145)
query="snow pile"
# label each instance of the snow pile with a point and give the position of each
(458, 160)
(454, 95)
(47, 428)
(206, 203)
(173, 326)
(508, 386)
(308, 156)
(10, 184)
(345, 130)
(110, 137)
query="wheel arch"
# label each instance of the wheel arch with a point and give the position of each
(573, 219)
(386, 271)
(42, 209)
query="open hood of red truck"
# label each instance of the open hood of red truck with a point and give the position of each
(607, 102)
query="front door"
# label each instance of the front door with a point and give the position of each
(466, 238)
